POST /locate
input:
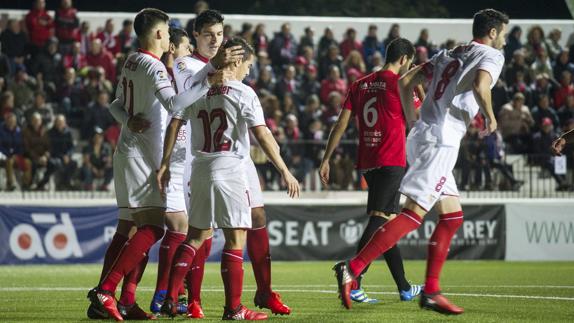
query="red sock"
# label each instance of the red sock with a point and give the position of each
(132, 253)
(195, 275)
(384, 239)
(118, 242)
(181, 264)
(167, 249)
(232, 275)
(258, 250)
(438, 248)
(131, 282)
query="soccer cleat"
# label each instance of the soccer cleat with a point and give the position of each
(409, 295)
(194, 310)
(271, 301)
(344, 282)
(134, 312)
(242, 313)
(437, 302)
(169, 308)
(105, 300)
(94, 312)
(359, 296)
(181, 304)
(157, 301)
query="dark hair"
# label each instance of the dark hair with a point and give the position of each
(207, 18)
(397, 48)
(176, 35)
(485, 20)
(127, 22)
(148, 18)
(238, 41)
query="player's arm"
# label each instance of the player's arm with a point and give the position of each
(407, 84)
(271, 150)
(559, 144)
(163, 174)
(136, 123)
(334, 138)
(483, 96)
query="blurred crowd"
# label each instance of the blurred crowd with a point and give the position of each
(58, 75)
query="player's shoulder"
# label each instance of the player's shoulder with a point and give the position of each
(241, 89)
(187, 63)
(487, 51)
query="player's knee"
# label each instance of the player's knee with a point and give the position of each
(452, 220)
(258, 218)
(155, 231)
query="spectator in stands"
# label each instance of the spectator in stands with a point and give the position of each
(566, 88)
(227, 32)
(353, 74)
(376, 62)
(7, 104)
(11, 152)
(515, 122)
(97, 162)
(96, 82)
(43, 108)
(37, 149)
(394, 33)
(67, 25)
(290, 105)
(40, 26)
(309, 54)
(125, 39)
(107, 37)
(70, 97)
(86, 37)
(23, 88)
(326, 42)
(311, 111)
(265, 84)
(307, 39)
(97, 115)
(495, 160)
(246, 32)
(315, 136)
(112, 134)
(562, 64)
(199, 7)
(566, 112)
(350, 43)
(541, 64)
(513, 43)
(371, 45)
(521, 86)
(355, 61)
(283, 47)
(287, 84)
(534, 43)
(48, 62)
(544, 110)
(517, 64)
(310, 84)
(333, 83)
(421, 55)
(472, 158)
(541, 141)
(500, 95)
(300, 65)
(61, 150)
(553, 43)
(331, 59)
(75, 59)
(332, 108)
(260, 39)
(423, 40)
(14, 43)
(98, 56)
(543, 85)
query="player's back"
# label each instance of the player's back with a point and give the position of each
(220, 125)
(450, 104)
(143, 75)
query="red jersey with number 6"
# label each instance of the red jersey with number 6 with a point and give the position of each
(376, 104)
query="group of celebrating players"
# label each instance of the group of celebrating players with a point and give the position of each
(206, 171)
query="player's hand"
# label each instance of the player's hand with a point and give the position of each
(163, 176)
(220, 76)
(491, 126)
(226, 56)
(292, 184)
(324, 171)
(558, 146)
(138, 123)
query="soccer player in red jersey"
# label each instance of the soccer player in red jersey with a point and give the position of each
(459, 85)
(375, 102)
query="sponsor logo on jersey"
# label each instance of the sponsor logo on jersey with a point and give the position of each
(161, 75)
(181, 66)
(373, 86)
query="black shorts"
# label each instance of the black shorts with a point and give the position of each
(384, 195)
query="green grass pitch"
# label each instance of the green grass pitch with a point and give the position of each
(490, 291)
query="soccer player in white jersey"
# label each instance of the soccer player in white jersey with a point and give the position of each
(176, 214)
(220, 194)
(460, 81)
(209, 36)
(144, 90)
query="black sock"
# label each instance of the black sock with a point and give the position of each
(392, 256)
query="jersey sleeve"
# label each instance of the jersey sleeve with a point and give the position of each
(181, 72)
(492, 63)
(160, 77)
(252, 111)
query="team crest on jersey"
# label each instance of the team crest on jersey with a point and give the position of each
(373, 86)
(180, 66)
(161, 75)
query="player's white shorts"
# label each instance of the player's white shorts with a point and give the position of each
(221, 203)
(429, 176)
(175, 196)
(255, 193)
(135, 184)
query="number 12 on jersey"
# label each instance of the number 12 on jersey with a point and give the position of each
(216, 138)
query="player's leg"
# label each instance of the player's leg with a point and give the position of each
(232, 275)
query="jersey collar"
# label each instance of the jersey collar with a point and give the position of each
(200, 57)
(141, 50)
